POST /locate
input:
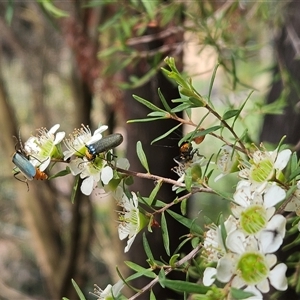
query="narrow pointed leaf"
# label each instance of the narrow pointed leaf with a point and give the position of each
(164, 101)
(75, 187)
(147, 247)
(154, 192)
(211, 83)
(142, 156)
(78, 291)
(165, 233)
(184, 286)
(240, 294)
(186, 222)
(166, 134)
(148, 104)
(152, 296)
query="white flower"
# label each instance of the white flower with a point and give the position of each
(131, 219)
(294, 202)
(91, 172)
(43, 147)
(110, 292)
(226, 161)
(254, 210)
(265, 165)
(246, 264)
(76, 143)
(213, 245)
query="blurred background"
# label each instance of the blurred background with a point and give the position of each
(74, 62)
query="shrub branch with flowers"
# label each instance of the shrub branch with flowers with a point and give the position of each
(233, 259)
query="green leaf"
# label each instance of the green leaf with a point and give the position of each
(207, 131)
(183, 207)
(9, 12)
(188, 179)
(141, 155)
(53, 10)
(164, 101)
(162, 277)
(173, 260)
(75, 187)
(145, 120)
(180, 107)
(165, 233)
(230, 114)
(155, 114)
(147, 247)
(150, 7)
(154, 192)
(78, 291)
(211, 83)
(152, 296)
(184, 286)
(166, 134)
(240, 294)
(148, 103)
(61, 173)
(186, 222)
(141, 271)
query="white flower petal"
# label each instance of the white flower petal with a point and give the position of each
(243, 196)
(87, 185)
(271, 238)
(129, 243)
(256, 292)
(263, 285)
(282, 159)
(271, 260)
(274, 195)
(106, 174)
(76, 166)
(277, 277)
(59, 137)
(235, 241)
(45, 164)
(225, 269)
(209, 276)
(123, 163)
(54, 128)
(237, 282)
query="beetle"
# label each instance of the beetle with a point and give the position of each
(106, 143)
(24, 166)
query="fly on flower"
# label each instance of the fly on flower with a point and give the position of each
(187, 151)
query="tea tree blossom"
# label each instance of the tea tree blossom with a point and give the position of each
(110, 292)
(227, 161)
(91, 172)
(247, 266)
(77, 141)
(132, 221)
(265, 165)
(44, 146)
(254, 210)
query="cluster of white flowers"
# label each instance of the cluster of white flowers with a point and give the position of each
(243, 249)
(95, 172)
